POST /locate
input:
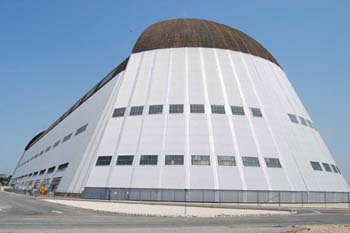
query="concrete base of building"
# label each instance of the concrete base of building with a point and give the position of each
(221, 196)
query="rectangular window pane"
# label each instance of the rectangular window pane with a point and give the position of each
(148, 160)
(176, 108)
(197, 108)
(66, 138)
(42, 172)
(81, 129)
(293, 118)
(56, 143)
(250, 161)
(48, 148)
(310, 124)
(273, 162)
(119, 112)
(217, 109)
(338, 170)
(174, 159)
(125, 159)
(237, 110)
(334, 168)
(136, 110)
(327, 167)
(104, 160)
(35, 173)
(224, 160)
(51, 170)
(303, 121)
(256, 112)
(63, 166)
(316, 166)
(200, 160)
(155, 109)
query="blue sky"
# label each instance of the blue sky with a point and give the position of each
(52, 52)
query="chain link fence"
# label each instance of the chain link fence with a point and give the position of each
(220, 196)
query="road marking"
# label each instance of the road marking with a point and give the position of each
(315, 211)
(56, 212)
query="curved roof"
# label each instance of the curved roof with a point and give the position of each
(198, 33)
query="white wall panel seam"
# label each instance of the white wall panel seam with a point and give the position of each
(166, 113)
(85, 166)
(267, 120)
(121, 131)
(252, 127)
(187, 155)
(230, 121)
(137, 152)
(210, 125)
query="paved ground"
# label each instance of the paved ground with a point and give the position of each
(20, 213)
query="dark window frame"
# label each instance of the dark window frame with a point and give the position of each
(122, 161)
(237, 110)
(136, 110)
(119, 112)
(104, 160)
(155, 109)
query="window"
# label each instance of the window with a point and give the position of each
(174, 159)
(293, 118)
(66, 138)
(63, 167)
(51, 170)
(334, 168)
(136, 110)
(200, 160)
(273, 162)
(224, 160)
(149, 160)
(42, 172)
(217, 109)
(176, 108)
(48, 148)
(119, 112)
(303, 121)
(316, 166)
(35, 173)
(327, 167)
(256, 112)
(30, 174)
(81, 129)
(155, 109)
(125, 159)
(42, 152)
(104, 160)
(251, 161)
(237, 110)
(338, 170)
(310, 124)
(56, 143)
(197, 108)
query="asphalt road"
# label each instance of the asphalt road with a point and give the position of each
(20, 213)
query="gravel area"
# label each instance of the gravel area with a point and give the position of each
(164, 210)
(324, 229)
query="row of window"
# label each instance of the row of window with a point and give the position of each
(65, 138)
(327, 167)
(293, 118)
(179, 108)
(50, 170)
(223, 160)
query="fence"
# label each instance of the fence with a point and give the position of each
(220, 196)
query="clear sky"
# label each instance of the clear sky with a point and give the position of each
(52, 52)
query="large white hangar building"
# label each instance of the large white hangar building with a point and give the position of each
(199, 111)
